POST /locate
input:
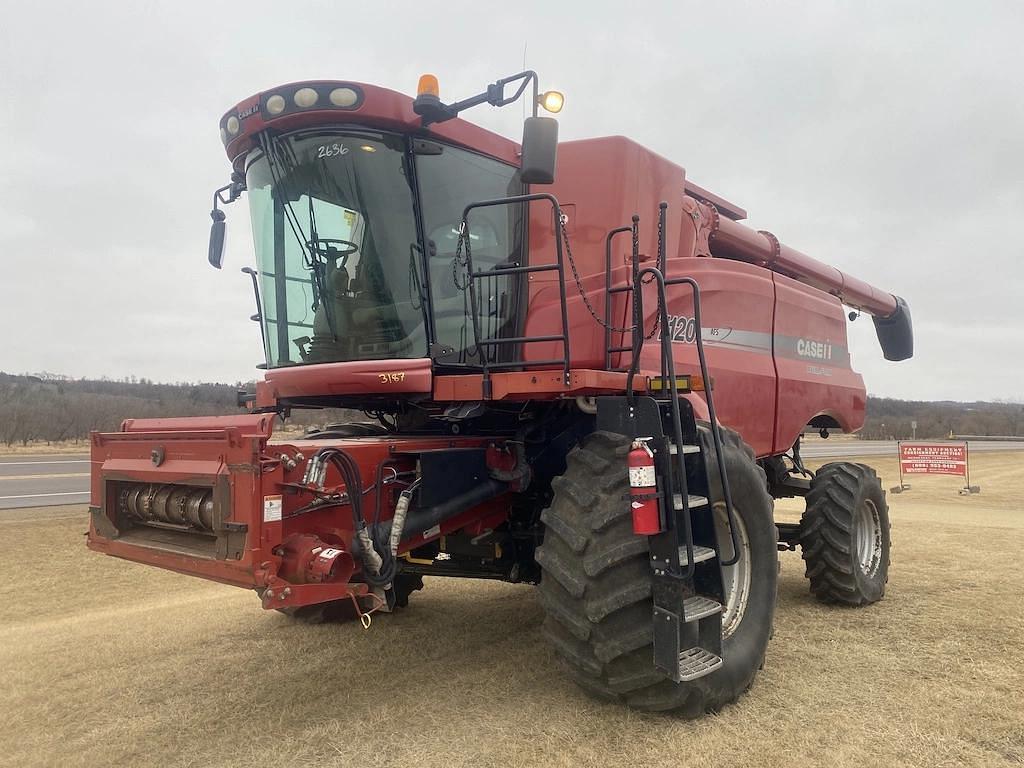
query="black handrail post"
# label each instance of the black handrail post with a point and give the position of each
(638, 312)
(638, 315)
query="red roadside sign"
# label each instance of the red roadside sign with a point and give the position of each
(933, 459)
(946, 458)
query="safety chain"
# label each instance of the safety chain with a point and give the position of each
(579, 285)
(583, 293)
(660, 265)
(459, 261)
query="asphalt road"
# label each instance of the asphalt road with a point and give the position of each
(40, 481)
(816, 448)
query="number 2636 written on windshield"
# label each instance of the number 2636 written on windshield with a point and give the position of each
(331, 150)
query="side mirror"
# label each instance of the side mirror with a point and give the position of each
(217, 233)
(896, 332)
(217, 229)
(540, 147)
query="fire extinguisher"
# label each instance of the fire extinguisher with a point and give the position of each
(643, 499)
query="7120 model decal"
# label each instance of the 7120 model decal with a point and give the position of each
(683, 330)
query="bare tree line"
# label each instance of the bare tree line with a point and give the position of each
(53, 409)
(895, 419)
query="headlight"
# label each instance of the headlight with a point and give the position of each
(276, 104)
(305, 97)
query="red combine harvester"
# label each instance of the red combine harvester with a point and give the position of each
(598, 388)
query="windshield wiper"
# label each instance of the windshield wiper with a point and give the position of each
(277, 154)
(318, 267)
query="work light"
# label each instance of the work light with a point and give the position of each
(552, 101)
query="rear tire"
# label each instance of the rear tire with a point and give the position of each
(596, 584)
(844, 535)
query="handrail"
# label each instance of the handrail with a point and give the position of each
(558, 266)
(608, 293)
(668, 371)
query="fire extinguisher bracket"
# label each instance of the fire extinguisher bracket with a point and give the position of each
(644, 495)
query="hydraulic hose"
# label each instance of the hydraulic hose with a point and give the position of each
(380, 566)
(419, 520)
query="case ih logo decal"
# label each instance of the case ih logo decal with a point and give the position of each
(816, 350)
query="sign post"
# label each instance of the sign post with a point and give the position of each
(947, 458)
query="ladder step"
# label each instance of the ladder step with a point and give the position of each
(692, 501)
(700, 554)
(697, 662)
(698, 606)
(674, 449)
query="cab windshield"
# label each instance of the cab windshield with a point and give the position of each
(335, 235)
(343, 271)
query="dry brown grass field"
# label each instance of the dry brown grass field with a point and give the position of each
(104, 662)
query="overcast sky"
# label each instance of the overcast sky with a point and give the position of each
(885, 138)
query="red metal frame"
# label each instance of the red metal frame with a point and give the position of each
(204, 450)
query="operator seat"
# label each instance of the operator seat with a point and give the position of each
(323, 347)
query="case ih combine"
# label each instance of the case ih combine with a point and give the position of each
(584, 374)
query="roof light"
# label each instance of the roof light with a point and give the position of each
(428, 86)
(368, 148)
(232, 125)
(343, 97)
(305, 97)
(552, 101)
(276, 104)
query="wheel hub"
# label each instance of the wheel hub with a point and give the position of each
(868, 537)
(736, 577)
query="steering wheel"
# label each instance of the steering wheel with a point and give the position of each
(325, 248)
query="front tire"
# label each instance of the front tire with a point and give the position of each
(844, 535)
(596, 584)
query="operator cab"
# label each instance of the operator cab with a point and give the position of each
(358, 228)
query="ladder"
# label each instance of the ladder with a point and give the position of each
(686, 556)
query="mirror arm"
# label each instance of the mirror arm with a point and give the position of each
(494, 95)
(234, 190)
(498, 89)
